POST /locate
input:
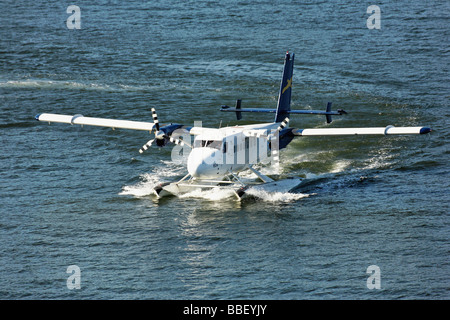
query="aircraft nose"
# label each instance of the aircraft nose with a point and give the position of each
(195, 168)
(198, 164)
(197, 171)
(195, 164)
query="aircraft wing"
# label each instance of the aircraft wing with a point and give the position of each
(389, 130)
(100, 122)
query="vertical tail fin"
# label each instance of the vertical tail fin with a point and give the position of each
(284, 98)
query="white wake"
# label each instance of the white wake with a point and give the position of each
(169, 172)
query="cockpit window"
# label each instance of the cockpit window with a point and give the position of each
(216, 144)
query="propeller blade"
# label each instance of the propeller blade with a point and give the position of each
(155, 119)
(146, 146)
(180, 142)
(283, 125)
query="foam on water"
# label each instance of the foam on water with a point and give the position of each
(277, 196)
(340, 166)
(218, 194)
(170, 171)
(214, 194)
(53, 84)
(142, 188)
(167, 171)
(72, 85)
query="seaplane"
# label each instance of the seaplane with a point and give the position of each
(218, 156)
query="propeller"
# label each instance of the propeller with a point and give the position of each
(282, 125)
(161, 136)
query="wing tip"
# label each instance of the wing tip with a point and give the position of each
(425, 130)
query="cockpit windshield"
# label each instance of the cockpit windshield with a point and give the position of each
(216, 144)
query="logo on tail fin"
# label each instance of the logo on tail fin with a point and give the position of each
(288, 85)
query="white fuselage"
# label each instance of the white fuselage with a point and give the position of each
(218, 152)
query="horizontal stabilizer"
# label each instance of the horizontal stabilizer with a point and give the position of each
(361, 131)
(320, 112)
(100, 122)
(228, 109)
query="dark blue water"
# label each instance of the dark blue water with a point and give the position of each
(81, 196)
